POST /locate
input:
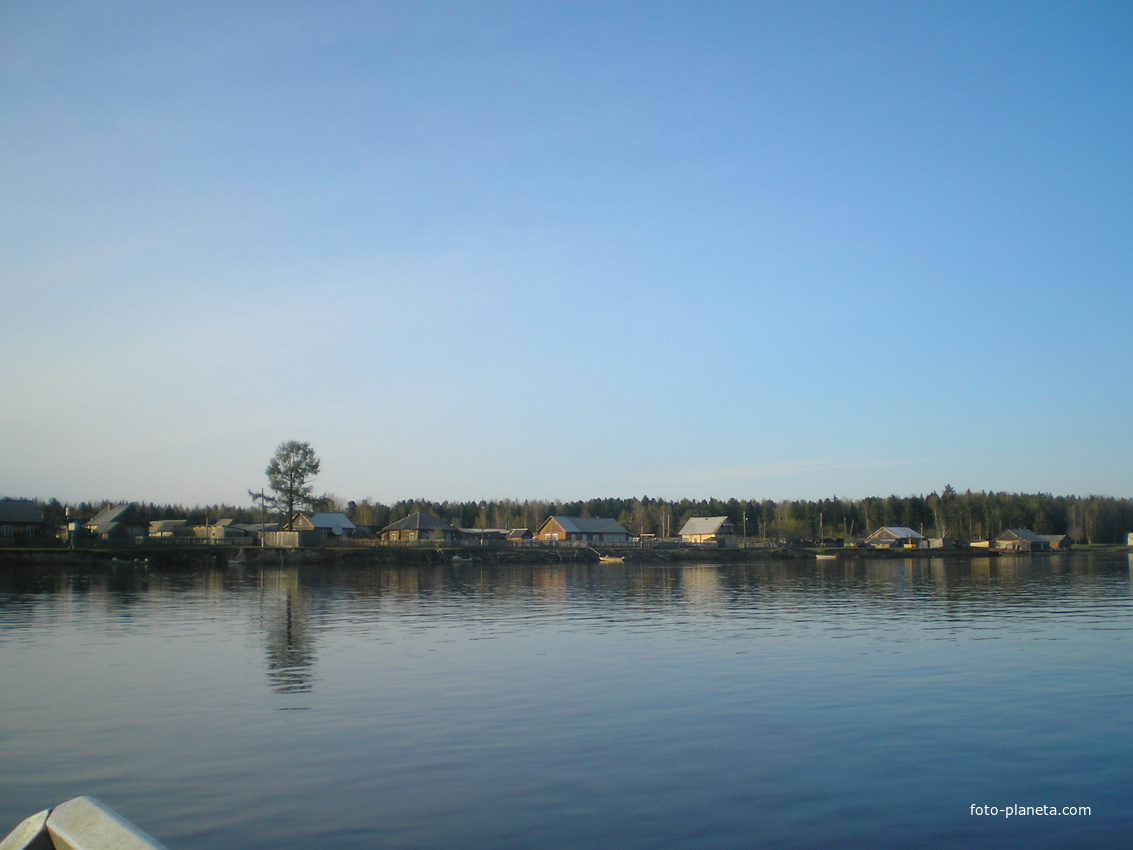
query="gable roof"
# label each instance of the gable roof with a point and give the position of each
(588, 525)
(113, 516)
(334, 521)
(703, 525)
(1021, 534)
(420, 522)
(23, 511)
(160, 526)
(899, 532)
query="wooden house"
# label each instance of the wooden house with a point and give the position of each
(121, 522)
(581, 530)
(331, 524)
(896, 537)
(420, 526)
(165, 529)
(21, 519)
(1061, 542)
(1020, 540)
(224, 530)
(710, 531)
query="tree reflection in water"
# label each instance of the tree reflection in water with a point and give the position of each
(285, 613)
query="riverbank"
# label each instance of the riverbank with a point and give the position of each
(167, 557)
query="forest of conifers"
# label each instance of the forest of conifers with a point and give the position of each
(963, 516)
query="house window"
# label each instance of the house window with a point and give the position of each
(7, 531)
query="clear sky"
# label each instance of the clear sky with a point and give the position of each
(566, 249)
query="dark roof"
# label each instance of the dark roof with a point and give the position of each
(1021, 534)
(20, 510)
(420, 522)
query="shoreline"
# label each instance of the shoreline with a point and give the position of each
(168, 557)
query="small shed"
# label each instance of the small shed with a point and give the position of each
(1061, 542)
(223, 530)
(484, 536)
(710, 530)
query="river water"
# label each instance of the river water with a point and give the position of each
(860, 704)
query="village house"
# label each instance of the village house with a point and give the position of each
(420, 526)
(1020, 540)
(166, 529)
(224, 531)
(895, 537)
(581, 530)
(118, 522)
(710, 531)
(21, 519)
(331, 524)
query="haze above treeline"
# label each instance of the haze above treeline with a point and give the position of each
(948, 513)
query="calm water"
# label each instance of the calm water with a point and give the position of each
(869, 704)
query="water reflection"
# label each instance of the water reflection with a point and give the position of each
(285, 622)
(289, 608)
(766, 704)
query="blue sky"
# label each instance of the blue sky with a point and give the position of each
(566, 250)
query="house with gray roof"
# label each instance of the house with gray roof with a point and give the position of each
(21, 519)
(709, 531)
(420, 526)
(1020, 540)
(165, 529)
(581, 530)
(118, 522)
(896, 536)
(333, 524)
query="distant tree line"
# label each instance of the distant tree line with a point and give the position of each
(966, 516)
